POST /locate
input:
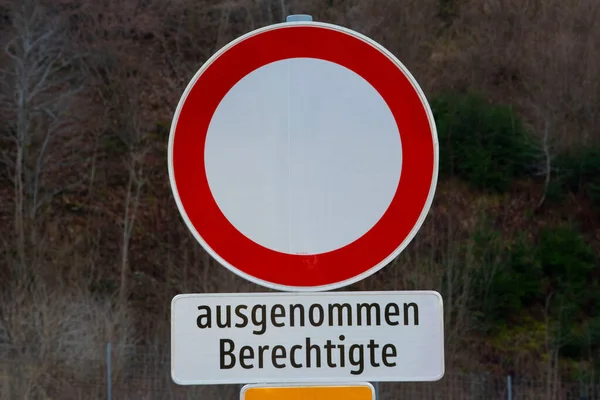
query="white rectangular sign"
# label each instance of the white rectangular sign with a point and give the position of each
(307, 337)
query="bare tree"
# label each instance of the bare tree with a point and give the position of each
(41, 82)
(546, 150)
(134, 137)
(119, 91)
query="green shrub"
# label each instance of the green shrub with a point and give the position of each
(508, 278)
(579, 340)
(518, 275)
(580, 172)
(483, 143)
(566, 259)
(509, 284)
(569, 263)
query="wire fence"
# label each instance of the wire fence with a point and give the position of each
(147, 377)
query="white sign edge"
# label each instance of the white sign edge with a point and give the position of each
(307, 384)
(310, 294)
(407, 240)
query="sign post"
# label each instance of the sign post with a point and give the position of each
(303, 157)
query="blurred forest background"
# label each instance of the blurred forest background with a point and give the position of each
(92, 247)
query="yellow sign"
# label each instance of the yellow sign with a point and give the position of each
(361, 391)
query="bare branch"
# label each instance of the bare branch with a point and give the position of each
(44, 75)
(548, 164)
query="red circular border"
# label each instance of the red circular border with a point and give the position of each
(222, 237)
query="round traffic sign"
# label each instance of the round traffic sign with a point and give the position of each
(303, 156)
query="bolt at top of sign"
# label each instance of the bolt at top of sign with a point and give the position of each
(303, 156)
(298, 17)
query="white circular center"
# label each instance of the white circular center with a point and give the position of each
(303, 156)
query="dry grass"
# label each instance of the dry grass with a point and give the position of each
(51, 337)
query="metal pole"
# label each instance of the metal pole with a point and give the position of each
(509, 387)
(376, 390)
(108, 372)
